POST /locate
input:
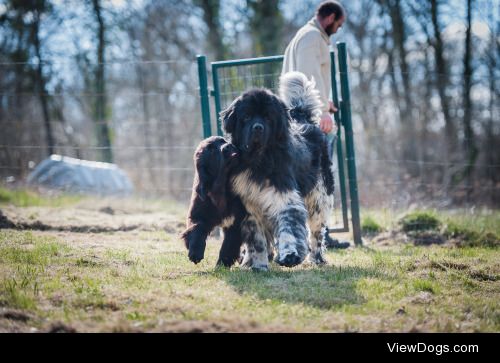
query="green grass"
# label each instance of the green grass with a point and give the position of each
(24, 257)
(420, 221)
(28, 198)
(369, 226)
(144, 281)
(465, 228)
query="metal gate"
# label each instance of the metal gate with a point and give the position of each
(231, 78)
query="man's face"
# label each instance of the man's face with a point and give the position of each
(334, 25)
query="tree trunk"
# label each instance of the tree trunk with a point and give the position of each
(442, 83)
(267, 39)
(40, 81)
(402, 94)
(211, 16)
(493, 64)
(469, 142)
(103, 134)
(442, 80)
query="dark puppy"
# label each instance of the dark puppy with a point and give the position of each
(212, 203)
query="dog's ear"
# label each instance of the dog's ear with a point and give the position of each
(228, 117)
(217, 193)
(202, 192)
(203, 183)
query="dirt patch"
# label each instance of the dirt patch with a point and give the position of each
(445, 265)
(218, 327)
(390, 238)
(60, 328)
(83, 220)
(423, 298)
(474, 274)
(5, 222)
(16, 321)
(425, 238)
(15, 315)
(419, 238)
(482, 276)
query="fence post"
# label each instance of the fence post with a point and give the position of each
(215, 77)
(340, 152)
(205, 103)
(349, 138)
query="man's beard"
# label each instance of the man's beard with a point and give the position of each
(329, 29)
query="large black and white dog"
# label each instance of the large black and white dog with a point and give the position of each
(278, 177)
(213, 203)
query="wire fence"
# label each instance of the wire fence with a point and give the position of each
(155, 121)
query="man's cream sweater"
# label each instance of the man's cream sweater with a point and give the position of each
(309, 53)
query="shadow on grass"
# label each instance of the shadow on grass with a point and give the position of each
(327, 287)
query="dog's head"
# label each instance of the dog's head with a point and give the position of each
(213, 160)
(255, 120)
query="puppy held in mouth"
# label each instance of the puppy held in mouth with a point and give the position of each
(212, 203)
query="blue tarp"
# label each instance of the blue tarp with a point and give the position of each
(76, 175)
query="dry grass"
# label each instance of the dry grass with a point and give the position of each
(141, 280)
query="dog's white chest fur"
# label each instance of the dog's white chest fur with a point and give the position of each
(262, 198)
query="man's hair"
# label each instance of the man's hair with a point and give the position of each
(330, 7)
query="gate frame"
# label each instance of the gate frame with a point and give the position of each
(342, 118)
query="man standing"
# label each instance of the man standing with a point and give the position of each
(309, 53)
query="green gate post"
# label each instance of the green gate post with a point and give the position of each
(340, 153)
(349, 139)
(215, 76)
(205, 103)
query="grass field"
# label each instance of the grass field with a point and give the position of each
(134, 275)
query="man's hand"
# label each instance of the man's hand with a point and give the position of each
(332, 108)
(326, 123)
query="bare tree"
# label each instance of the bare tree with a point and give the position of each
(442, 81)
(403, 92)
(492, 63)
(38, 10)
(103, 133)
(211, 16)
(469, 142)
(266, 39)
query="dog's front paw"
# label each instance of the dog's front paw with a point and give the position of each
(249, 262)
(289, 260)
(260, 268)
(317, 258)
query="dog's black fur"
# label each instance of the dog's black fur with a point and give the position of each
(282, 153)
(212, 202)
(304, 117)
(286, 152)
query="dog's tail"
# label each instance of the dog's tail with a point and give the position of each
(300, 96)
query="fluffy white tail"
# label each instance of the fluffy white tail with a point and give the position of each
(300, 94)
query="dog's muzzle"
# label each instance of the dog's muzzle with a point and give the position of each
(256, 136)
